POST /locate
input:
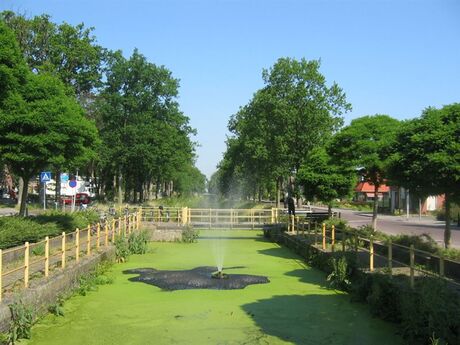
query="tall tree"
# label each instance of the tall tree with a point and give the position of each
(324, 180)
(363, 145)
(145, 135)
(426, 156)
(69, 52)
(294, 113)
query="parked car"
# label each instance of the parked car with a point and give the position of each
(80, 199)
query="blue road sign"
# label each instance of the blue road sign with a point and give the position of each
(72, 183)
(64, 177)
(45, 176)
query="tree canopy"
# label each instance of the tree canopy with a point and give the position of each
(426, 156)
(364, 146)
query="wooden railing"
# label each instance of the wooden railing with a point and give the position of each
(20, 264)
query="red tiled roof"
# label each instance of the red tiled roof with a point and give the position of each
(366, 187)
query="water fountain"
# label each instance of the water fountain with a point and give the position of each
(197, 278)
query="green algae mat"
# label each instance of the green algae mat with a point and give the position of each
(296, 307)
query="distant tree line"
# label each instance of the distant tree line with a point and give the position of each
(289, 138)
(66, 103)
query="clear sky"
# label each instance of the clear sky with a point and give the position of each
(392, 57)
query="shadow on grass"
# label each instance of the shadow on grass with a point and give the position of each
(280, 252)
(319, 319)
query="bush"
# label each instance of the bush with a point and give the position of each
(189, 234)
(339, 278)
(137, 242)
(121, 248)
(14, 231)
(339, 223)
(431, 310)
(384, 298)
(22, 319)
(68, 222)
(423, 242)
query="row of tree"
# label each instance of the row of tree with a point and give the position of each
(66, 103)
(289, 137)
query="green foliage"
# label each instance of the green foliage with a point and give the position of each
(137, 242)
(339, 278)
(189, 234)
(68, 222)
(384, 298)
(275, 132)
(121, 248)
(22, 319)
(39, 250)
(425, 156)
(57, 307)
(14, 231)
(431, 308)
(364, 145)
(324, 180)
(339, 223)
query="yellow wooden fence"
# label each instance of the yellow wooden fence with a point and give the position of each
(19, 264)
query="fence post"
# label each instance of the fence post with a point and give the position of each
(47, 255)
(333, 237)
(77, 245)
(106, 234)
(252, 219)
(120, 225)
(189, 215)
(412, 261)
(98, 235)
(324, 236)
(88, 241)
(344, 240)
(1, 273)
(371, 254)
(63, 250)
(296, 224)
(114, 222)
(272, 220)
(390, 257)
(26, 264)
(139, 218)
(441, 265)
(124, 224)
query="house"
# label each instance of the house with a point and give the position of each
(365, 192)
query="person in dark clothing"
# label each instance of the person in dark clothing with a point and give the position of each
(291, 205)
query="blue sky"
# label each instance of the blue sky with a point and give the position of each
(391, 57)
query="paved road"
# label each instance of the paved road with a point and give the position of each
(400, 225)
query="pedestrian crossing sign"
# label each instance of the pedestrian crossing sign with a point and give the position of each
(45, 176)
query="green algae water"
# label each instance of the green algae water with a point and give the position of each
(294, 308)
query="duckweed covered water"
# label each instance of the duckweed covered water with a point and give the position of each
(294, 308)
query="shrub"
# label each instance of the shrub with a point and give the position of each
(14, 231)
(431, 309)
(384, 298)
(22, 319)
(189, 234)
(423, 242)
(340, 276)
(68, 222)
(137, 242)
(121, 248)
(57, 307)
(339, 223)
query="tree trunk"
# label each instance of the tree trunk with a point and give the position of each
(120, 190)
(23, 204)
(447, 228)
(375, 207)
(57, 191)
(278, 192)
(21, 187)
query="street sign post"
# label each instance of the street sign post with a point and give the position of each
(73, 184)
(45, 176)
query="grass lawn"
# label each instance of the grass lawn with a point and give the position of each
(294, 308)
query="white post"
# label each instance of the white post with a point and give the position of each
(407, 204)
